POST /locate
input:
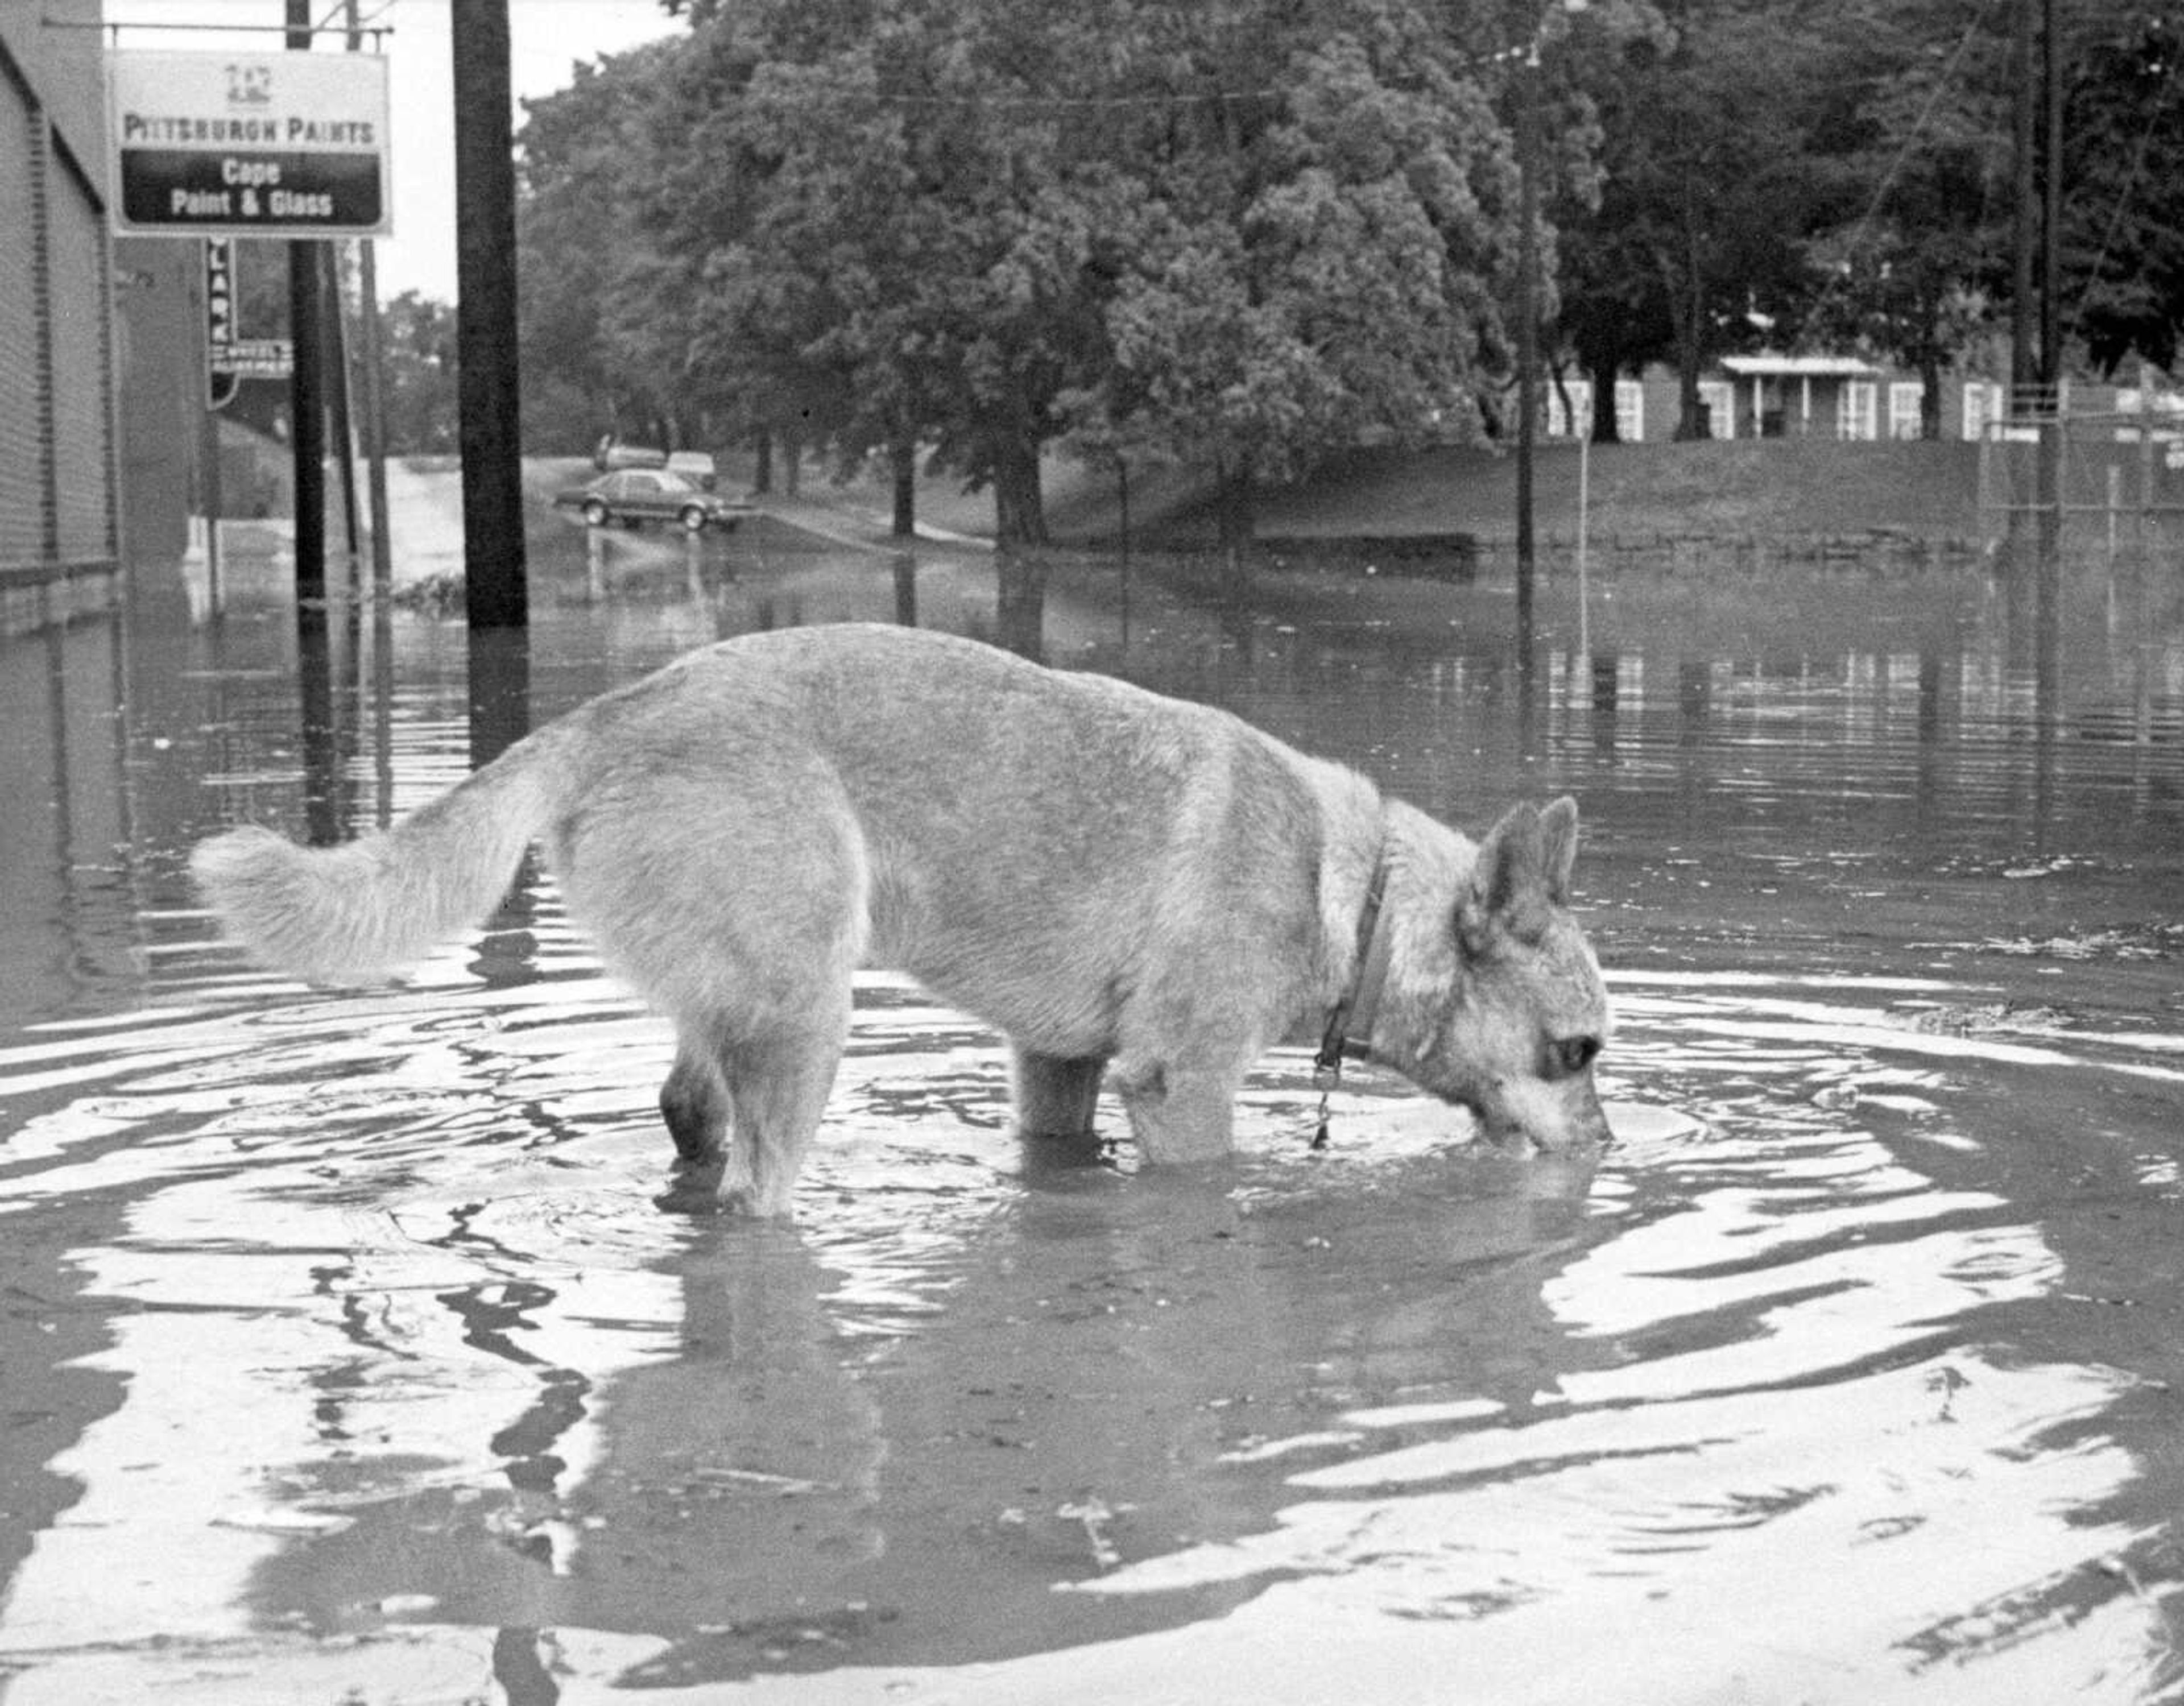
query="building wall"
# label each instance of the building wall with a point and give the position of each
(160, 348)
(59, 474)
(25, 379)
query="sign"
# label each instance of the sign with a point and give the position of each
(229, 359)
(281, 145)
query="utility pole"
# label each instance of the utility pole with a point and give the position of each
(1528, 330)
(2050, 496)
(2023, 366)
(375, 404)
(498, 596)
(2051, 230)
(307, 409)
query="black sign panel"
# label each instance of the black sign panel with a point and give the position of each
(234, 192)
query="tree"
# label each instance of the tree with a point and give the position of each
(1611, 296)
(906, 254)
(1912, 152)
(2124, 148)
(1707, 188)
(417, 351)
(1320, 204)
(596, 338)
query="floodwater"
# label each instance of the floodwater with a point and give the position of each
(346, 1359)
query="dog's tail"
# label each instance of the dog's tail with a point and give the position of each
(363, 911)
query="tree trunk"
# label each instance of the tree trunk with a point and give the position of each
(762, 477)
(1019, 510)
(1691, 328)
(1600, 354)
(1020, 605)
(1607, 426)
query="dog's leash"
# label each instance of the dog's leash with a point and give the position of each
(1359, 1002)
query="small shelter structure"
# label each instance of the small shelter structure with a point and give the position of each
(1800, 396)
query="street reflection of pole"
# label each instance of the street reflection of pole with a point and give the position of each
(1584, 527)
(501, 715)
(314, 675)
(1933, 779)
(1122, 493)
(905, 588)
(499, 692)
(1020, 604)
(382, 712)
(1528, 690)
(2142, 679)
(1607, 702)
(694, 566)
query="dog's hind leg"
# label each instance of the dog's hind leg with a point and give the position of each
(1055, 1095)
(694, 1100)
(777, 1086)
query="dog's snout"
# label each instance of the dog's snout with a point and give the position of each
(1550, 1119)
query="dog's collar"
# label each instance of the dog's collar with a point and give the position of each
(1348, 1033)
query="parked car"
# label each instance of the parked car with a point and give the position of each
(610, 454)
(634, 496)
(695, 464)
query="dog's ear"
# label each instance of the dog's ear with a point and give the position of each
(1509, 886)
(1559, 829)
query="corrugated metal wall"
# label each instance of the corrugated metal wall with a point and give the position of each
(23, 522)
(58, 469)
(83, 329)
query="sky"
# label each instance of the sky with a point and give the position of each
(547, 38)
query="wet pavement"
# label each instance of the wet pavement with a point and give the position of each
(346, 1358)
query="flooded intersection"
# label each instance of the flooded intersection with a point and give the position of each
(347, 1359)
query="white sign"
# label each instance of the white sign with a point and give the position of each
(282, 145)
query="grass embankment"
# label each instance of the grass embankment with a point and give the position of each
(1723, 492)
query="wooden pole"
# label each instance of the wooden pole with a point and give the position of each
(2023, 366)
(1528, 330)
(487, 397)
(307, 437)
(374, 396)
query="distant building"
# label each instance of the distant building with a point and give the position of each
(1769, 396)
(80, 499)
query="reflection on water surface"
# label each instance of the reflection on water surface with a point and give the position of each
(347, 1357)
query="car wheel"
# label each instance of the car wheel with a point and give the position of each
(595, 513)
(692, 519)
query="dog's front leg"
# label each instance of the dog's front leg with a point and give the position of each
(1181, 1109)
